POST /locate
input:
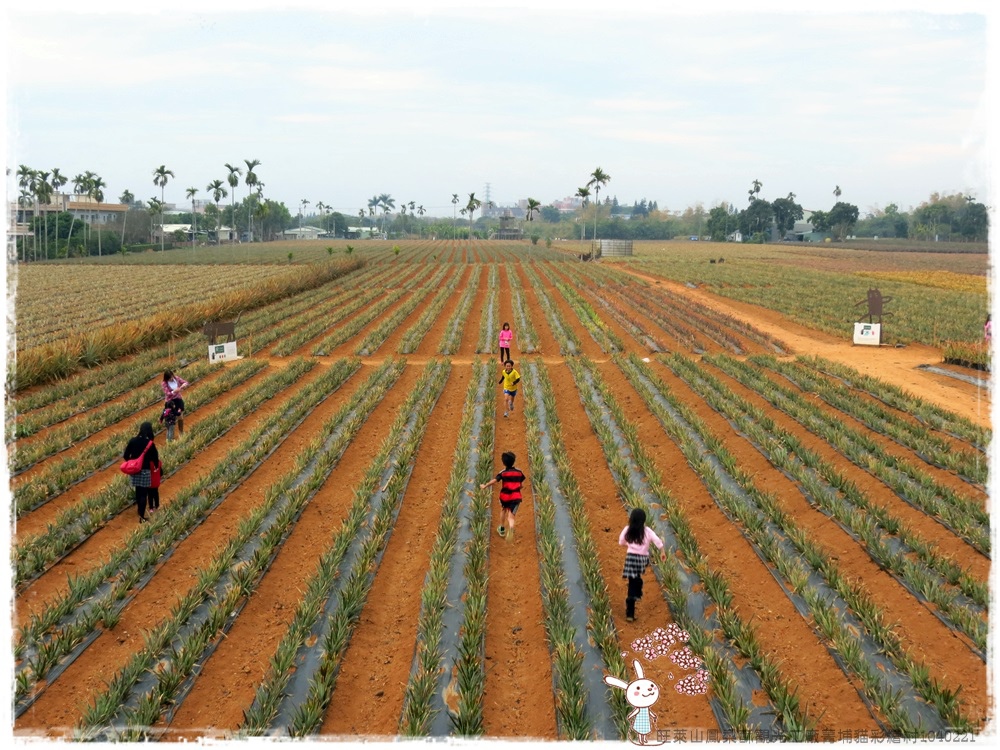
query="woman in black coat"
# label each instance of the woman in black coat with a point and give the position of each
(141, 481)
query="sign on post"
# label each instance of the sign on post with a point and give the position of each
(222, 352)
(869, 334)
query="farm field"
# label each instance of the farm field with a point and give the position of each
(324, 565)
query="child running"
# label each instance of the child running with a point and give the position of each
(636, 538)
(510, 480)
(510, 378)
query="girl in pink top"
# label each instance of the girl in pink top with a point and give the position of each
(172, 386)
(636, 538)
(506, 336)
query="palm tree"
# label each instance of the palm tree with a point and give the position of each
(155, 206)
(387, 203)
(80, 183)
(420, 212)
(57, 181)
(218, 191)
(25, 200)
(26, 180)
(584, 194)
(454, 222)
(598, 179)
(471, 207)
(250, 178)
(321, 207)
(43, 189)
(533, 207)
(361, 220)
(755, 189)
(96, 192)
(836, 192)
(191, 192)
(161, 175)
(234, 180)
(127, 199)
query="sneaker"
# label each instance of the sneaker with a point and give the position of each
(501, 531)
(505, 414)
(629, 619)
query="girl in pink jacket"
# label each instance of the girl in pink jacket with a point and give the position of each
(506, 336)
(636, 538)
(172, 386)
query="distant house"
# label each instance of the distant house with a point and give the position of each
(169, 232)
(803, 231)
(357, 233)
(302, 233)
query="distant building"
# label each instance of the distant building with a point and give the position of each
(302, 233)
(510, 227)
(83, 207)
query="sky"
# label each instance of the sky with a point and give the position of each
(422, 100)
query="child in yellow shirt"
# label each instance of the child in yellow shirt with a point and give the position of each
(510, 378)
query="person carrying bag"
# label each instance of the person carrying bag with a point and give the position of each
(141, 451)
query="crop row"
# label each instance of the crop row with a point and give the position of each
(866, 646)
(888, 541)
(182, 641)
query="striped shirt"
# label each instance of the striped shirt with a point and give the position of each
(510, 484)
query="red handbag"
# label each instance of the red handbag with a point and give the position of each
(134, 465)
(154, 475)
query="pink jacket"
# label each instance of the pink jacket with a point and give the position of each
(643, 547)
(506, 336)
(168, 393)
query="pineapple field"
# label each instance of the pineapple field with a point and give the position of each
(324, 564)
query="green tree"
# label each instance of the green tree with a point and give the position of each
(843, 217)
(386, 203)
(974, 220)
(755, 189)
(550, 214)
(251, 181)
(162, 175)
(191, 192)
(718, 223)
(156, 207)
(473, 204)
(756, 218)
(43, 196)
(598, 179)
(97, 194)
(786, 213)
(234, 180)
(533, 208)
(217, 190)
(583, 194)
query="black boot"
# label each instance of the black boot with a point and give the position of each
(630, 609)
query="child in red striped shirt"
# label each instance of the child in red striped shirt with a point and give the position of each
(510, 480)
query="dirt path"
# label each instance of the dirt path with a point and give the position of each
(899, 366)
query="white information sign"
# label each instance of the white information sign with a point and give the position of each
(222, 352)
(869, 334)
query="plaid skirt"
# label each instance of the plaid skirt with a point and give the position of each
(635, 565)
(142, 479)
